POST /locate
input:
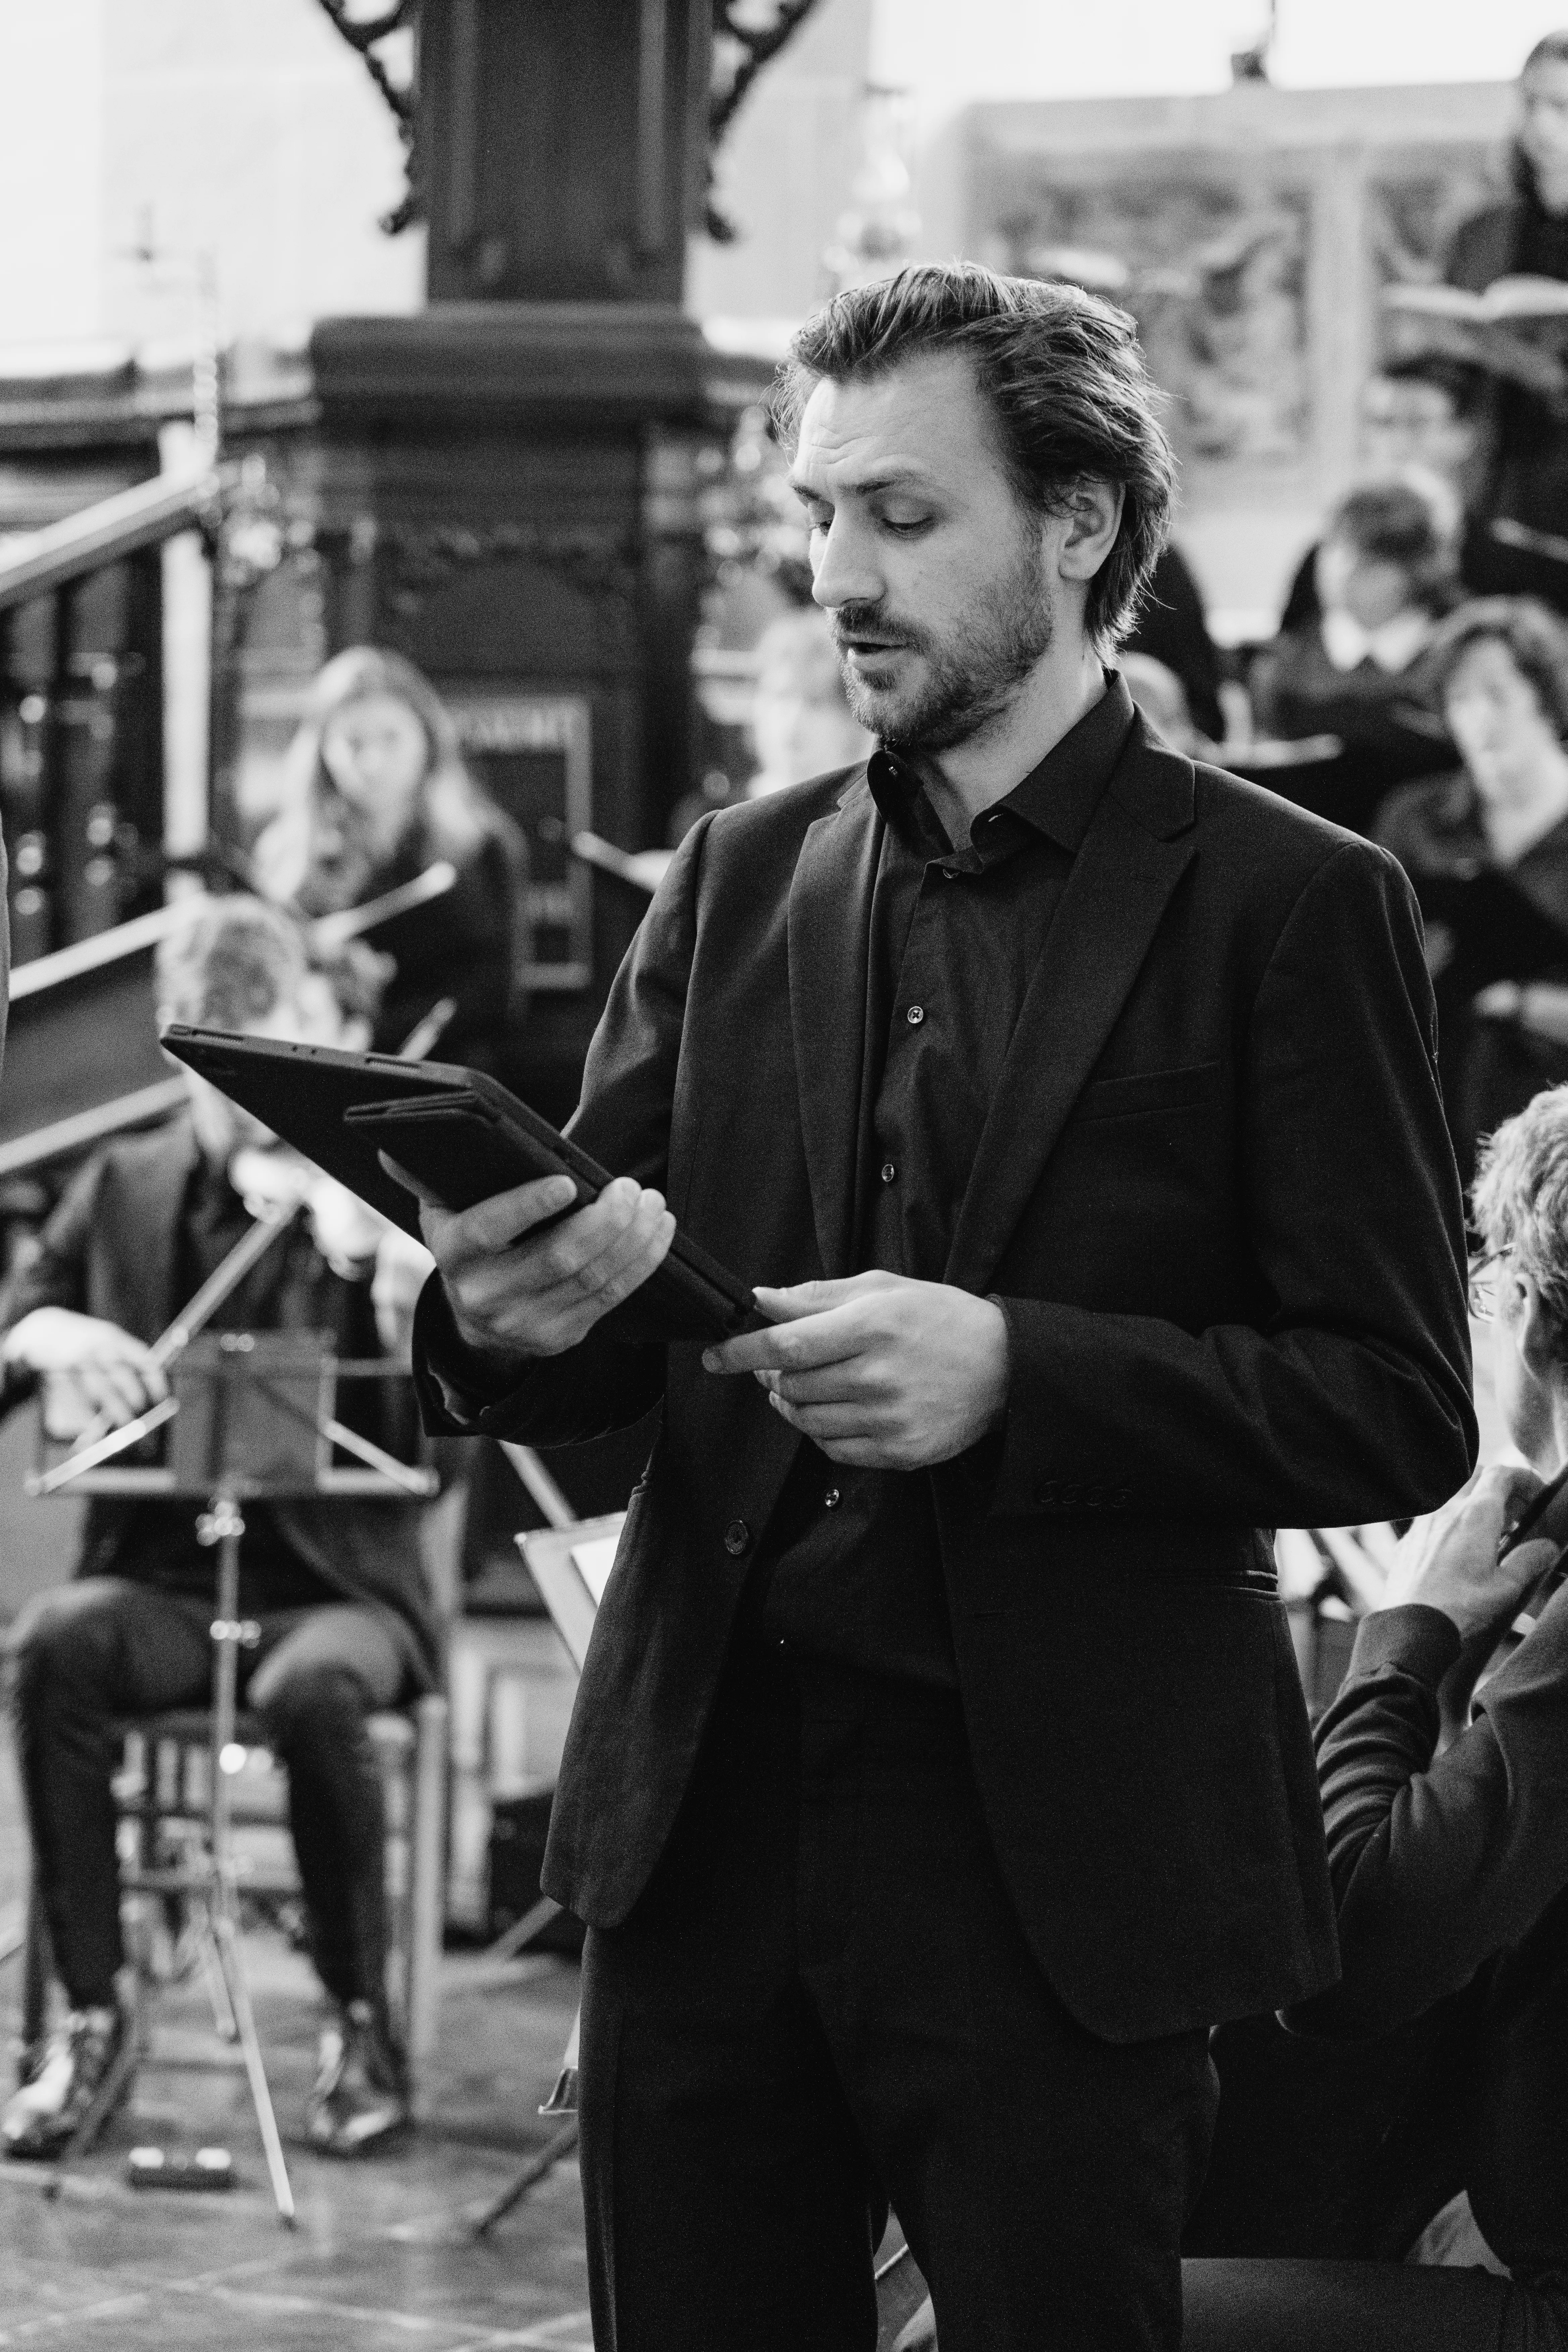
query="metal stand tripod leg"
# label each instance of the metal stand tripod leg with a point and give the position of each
(224, 1527)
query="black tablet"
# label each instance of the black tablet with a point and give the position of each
(464, 1136)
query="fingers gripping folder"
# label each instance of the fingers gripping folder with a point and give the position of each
(463, 1137)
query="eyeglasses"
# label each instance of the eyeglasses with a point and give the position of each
(1485, 1271)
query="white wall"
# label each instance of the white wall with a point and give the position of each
(785, 172)
(51, 169)
(949, 53)
(246, 127)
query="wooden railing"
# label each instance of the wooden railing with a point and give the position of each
(110, 530)
(82, 797)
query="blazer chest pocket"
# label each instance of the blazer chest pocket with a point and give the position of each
(1145, 1092)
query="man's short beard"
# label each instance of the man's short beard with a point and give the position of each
(971, 678)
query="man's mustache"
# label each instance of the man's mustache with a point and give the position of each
(868, 624)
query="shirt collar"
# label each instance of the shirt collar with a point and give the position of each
(1393, 647)
(1056, 798)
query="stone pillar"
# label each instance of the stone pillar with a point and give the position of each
(508, 482)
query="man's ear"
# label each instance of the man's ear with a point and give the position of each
(1538, 1336)
(1094, 517)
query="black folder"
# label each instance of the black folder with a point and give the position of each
(465, 1136)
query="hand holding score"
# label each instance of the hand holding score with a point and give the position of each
(515, 1295)
(881, 1372)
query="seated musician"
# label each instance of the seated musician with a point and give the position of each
(336, 1585)
(1423, 2103)
(377, 792)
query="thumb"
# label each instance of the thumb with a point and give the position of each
(1517, 1483)
(1513, 1485)
(410, 1183)
(796, 1299)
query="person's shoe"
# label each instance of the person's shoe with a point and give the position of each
(361, 2096)
(44, 2116)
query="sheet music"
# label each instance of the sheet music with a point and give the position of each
(593, 1561)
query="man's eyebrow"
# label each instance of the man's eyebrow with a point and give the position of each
(885, 477)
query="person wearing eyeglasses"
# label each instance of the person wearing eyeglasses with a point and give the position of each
(1416, 2118)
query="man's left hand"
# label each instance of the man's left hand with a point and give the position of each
(882, 1374)
(1449, 1559)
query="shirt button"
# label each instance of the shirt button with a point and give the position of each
(888, 1171)
(737, 1538)
(915, 1015)
(830, 1500)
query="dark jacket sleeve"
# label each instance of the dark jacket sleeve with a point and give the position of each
(624, 1119)
(1482, 248)
(1437, 1862)
(55, 1276)
(5, 947)
(1349, 1398)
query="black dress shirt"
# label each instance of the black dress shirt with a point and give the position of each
(850, 1569)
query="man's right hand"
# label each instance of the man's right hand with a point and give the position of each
(515, 1295)
(115, 1376)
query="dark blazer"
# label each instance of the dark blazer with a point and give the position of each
(1485, 247)
(1440, 2062)
(111, 1249)
(5, 946)
(1215, 1199)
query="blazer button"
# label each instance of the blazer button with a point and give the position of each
(737, 1538)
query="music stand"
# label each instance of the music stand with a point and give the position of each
(253, 1421)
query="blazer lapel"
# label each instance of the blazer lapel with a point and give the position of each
(1137, 846)
(829, 928)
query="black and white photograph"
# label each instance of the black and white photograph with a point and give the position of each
(783, 1176)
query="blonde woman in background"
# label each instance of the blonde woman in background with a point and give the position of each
(801, 724)
(377, 794)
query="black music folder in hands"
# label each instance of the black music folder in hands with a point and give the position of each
(465, 1136)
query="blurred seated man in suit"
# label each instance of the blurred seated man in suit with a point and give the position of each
(1387, 576)
(336, 1587)
(1426, 2125)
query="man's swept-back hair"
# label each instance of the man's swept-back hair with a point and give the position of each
(1064, 378)
(1520, 1202)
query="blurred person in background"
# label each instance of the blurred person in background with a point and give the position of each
(1419, 415)
(1159, 694)
(1172, 628)
(1413, 2117)
(1487, 850)
(1386, 573)
(377, 793)
(1521, 546)
(336, 1587)
(801, 725)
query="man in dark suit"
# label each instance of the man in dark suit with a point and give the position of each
(940, 1772)
(336, 1588)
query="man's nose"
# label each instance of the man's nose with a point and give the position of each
(847, 572)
